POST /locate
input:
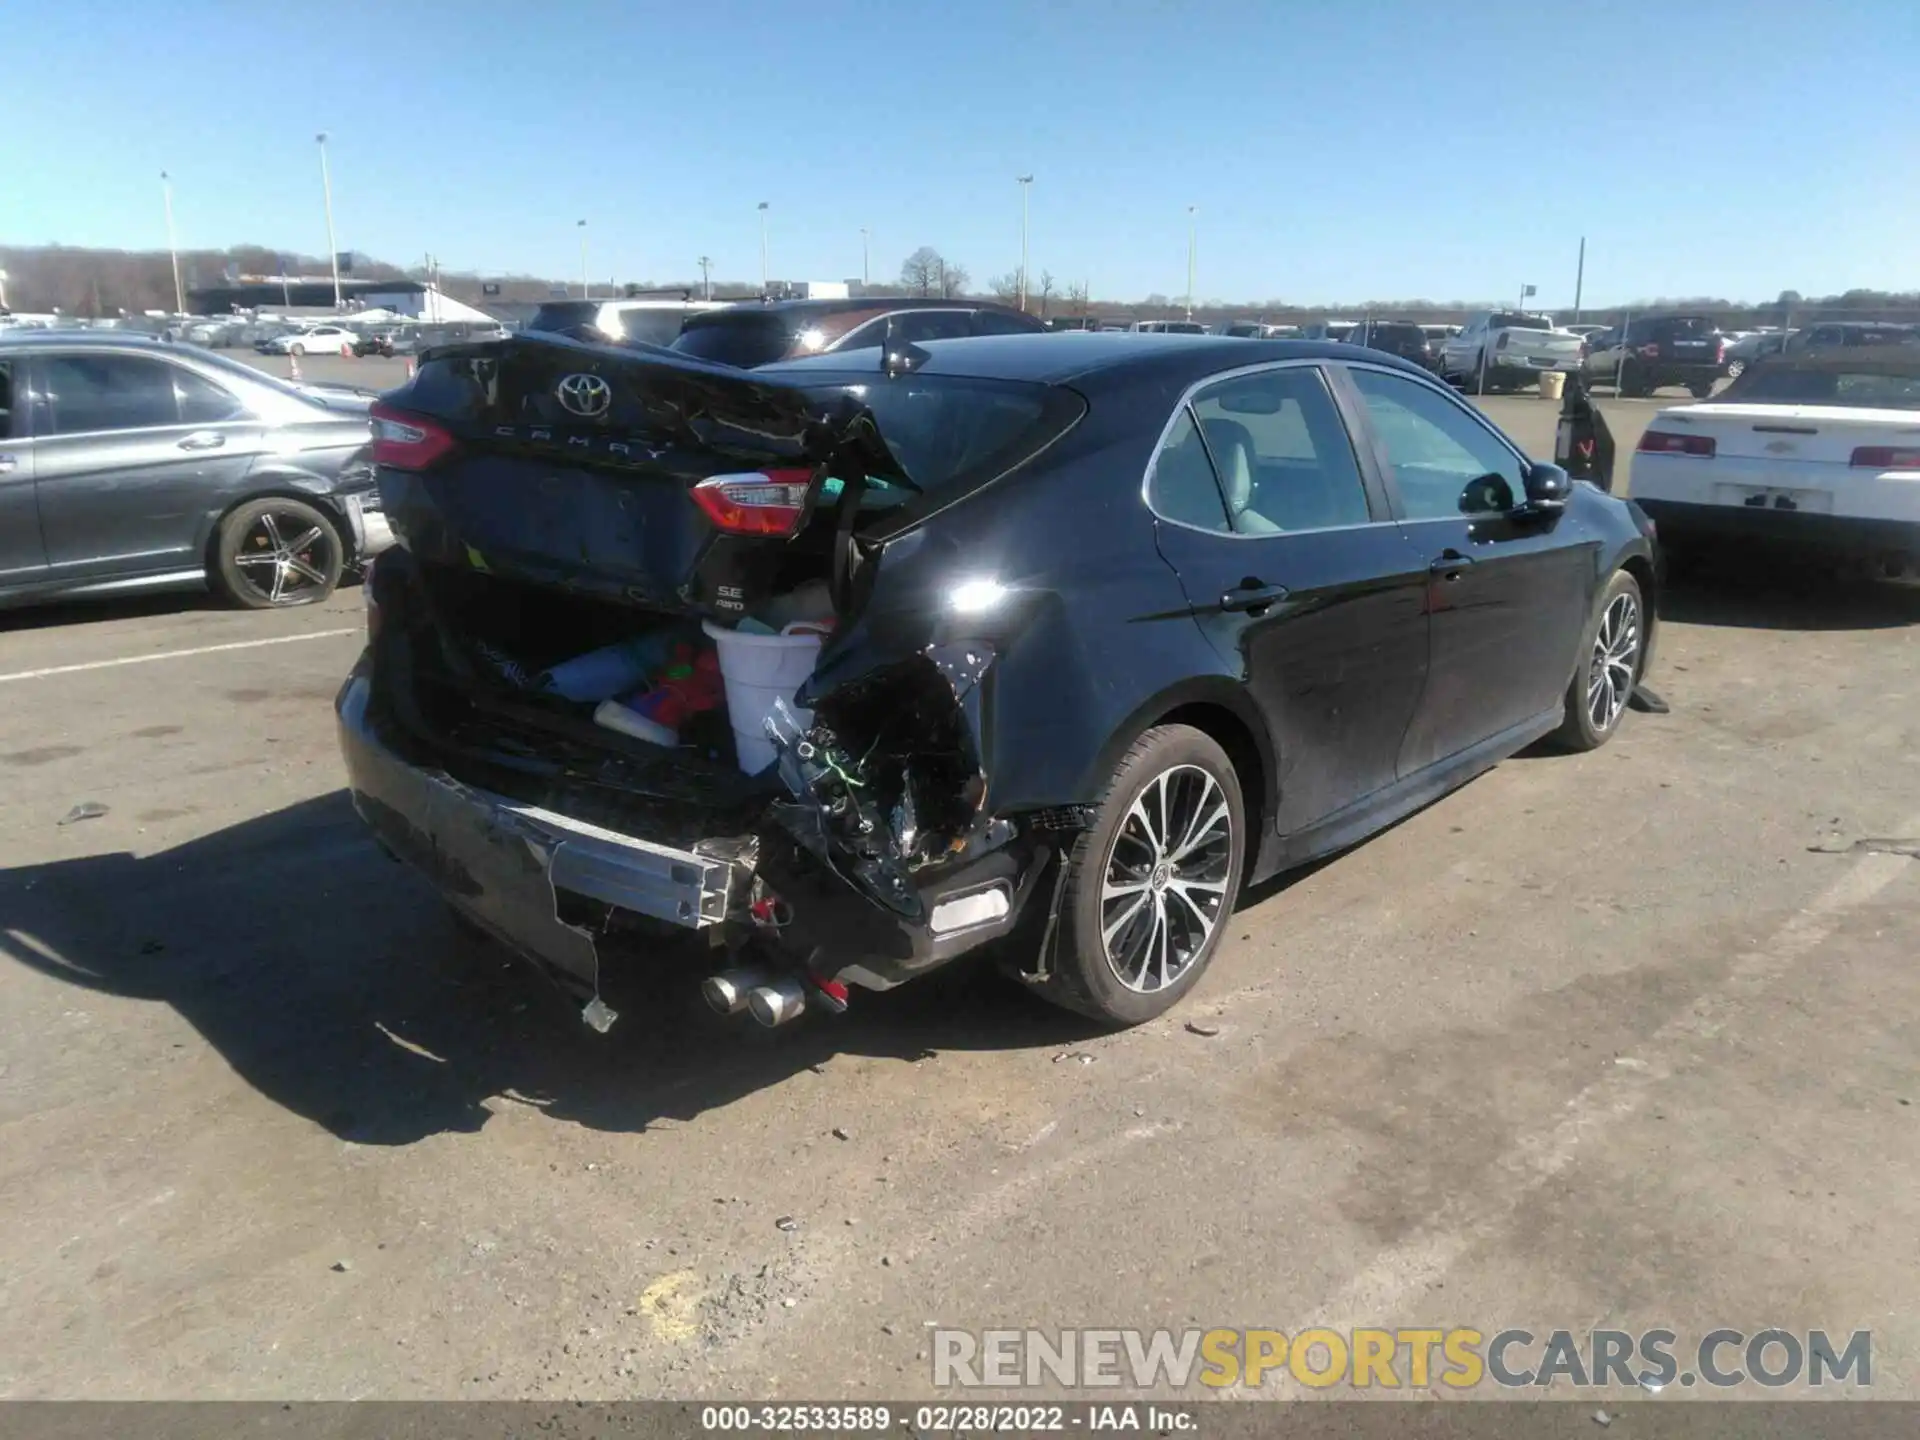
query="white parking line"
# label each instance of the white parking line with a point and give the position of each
(176, 654)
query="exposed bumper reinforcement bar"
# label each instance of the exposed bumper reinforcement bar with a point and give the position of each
(501, 861)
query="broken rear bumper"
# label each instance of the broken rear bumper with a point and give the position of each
(505, 864)
(501, 862)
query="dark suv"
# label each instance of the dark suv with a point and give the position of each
(1395, 337)
(749, 335)
(1657, 350)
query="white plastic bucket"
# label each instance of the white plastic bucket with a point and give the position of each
(759, 669)
(1551, 383)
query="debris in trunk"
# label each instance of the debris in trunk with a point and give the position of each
(85, 810)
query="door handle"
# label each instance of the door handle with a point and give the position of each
(1450, 564)
(203, 440)
(7, 464)
(1252, 596)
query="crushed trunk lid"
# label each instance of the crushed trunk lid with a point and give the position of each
(576, 465)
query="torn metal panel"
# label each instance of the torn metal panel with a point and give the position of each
(889, 778)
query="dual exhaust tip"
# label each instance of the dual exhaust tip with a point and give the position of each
(770, 999)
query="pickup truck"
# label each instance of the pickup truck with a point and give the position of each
(1501, 348)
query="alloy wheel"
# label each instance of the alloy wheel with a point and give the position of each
(284, 559)
(1615, 664)
(1164, 888)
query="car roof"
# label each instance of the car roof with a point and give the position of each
(879, 304)
(1073, 355)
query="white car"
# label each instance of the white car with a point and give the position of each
(1818, 452)
(1498, 348)
(318, 340)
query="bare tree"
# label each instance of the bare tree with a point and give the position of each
(920, 272)
(953, 280)
(1077, 297)
(1006, 288)
(1046, 292)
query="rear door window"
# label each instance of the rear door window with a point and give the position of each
(6, 400)
(1282, 453)
(90, 393)
(201, 401)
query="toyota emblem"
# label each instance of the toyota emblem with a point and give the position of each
(587, 396)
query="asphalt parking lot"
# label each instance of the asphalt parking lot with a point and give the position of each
(1598, 1040)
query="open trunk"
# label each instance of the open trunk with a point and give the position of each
(558, 503)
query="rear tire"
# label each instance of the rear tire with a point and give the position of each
(1700, 389)
(1736, 368)
(296, 349)
(1151, 886)
(273, 553)
(1613, 647)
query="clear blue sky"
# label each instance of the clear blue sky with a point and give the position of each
(1338, 150)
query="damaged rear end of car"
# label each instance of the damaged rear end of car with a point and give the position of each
(557, 716)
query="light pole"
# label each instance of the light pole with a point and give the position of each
(706, 278)
(865, 280)
(1579, 279)
(3, 290)
(326, 189)
(1025, 182)
(173, 247)
(585, 292)
(1192, 234)
(764, 272)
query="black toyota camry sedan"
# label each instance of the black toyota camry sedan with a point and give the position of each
(1053, 642)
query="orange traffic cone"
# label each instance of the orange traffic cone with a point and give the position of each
(346, 350)
(409, 367)
(293, 369)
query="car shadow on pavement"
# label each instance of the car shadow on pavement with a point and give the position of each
(1785, 596)
(330, 978)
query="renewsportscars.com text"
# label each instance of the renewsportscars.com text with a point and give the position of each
(1363, 1359)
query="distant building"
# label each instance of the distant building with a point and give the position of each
(300, 294)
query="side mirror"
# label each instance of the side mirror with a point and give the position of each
(1548, 490)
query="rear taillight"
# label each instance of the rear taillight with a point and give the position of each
(1885, 457)
(1720, 353)
(1666, 442)
(762, 502)
(407, 441)
(1649, 352)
